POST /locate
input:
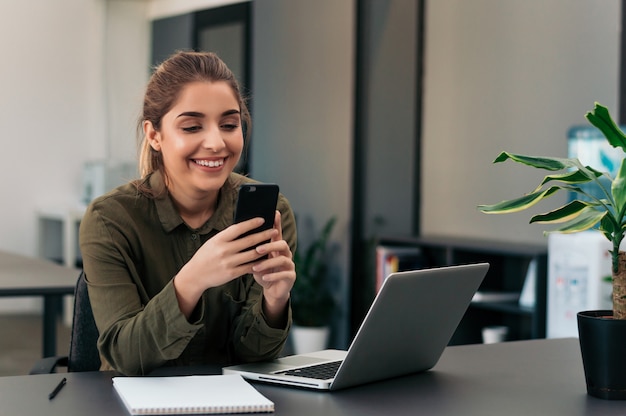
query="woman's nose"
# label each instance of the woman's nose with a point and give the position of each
(213, 140)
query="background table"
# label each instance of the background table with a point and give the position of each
(31, 276)
(539, 377)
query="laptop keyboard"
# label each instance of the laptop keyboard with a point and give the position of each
(322, 371)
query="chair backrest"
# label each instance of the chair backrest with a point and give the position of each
(83, 354)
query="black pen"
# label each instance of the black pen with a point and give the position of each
(57, 389)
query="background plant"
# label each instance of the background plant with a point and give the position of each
(312, 300)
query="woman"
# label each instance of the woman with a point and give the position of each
(169, 281)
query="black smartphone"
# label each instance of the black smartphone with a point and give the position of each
(257, 200)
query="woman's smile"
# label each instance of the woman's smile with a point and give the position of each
(210, 163)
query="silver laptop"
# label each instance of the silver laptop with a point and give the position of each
(406, 329)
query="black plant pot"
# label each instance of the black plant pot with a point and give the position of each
(603, 350)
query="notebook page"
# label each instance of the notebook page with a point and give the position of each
(190, 395)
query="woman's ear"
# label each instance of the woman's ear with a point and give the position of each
(152, 135)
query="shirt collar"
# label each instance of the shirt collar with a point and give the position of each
(221, 218)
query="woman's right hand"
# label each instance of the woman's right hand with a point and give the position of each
(221, 259)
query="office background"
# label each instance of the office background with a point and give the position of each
(497, 76)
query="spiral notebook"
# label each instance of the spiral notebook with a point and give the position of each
(187, 395)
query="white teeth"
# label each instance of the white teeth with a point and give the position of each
(210, 163)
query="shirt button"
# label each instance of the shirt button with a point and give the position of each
(194, 236)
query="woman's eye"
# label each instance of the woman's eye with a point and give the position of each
(191, 129)
(230, 126)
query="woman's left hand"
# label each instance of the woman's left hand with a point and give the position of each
(276, 274)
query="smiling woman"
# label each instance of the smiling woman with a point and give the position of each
(170, 280)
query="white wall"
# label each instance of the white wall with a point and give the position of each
(50, 80)
(126, 72)
(63, 102)
(507, 75)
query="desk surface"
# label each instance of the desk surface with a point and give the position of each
(513, 378)
(31, 276)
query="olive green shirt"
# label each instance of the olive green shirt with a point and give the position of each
(132, 246)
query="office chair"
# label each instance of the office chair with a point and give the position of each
(83, 353)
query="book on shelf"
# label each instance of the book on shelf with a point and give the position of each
(185, 395)
(391, 259)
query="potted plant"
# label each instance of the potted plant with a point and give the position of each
(311, 296)
(605, 369)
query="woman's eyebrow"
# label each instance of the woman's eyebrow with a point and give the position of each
(190, 114)
(201, 115)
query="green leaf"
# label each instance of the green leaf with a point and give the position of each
(601, 118)
(548, 163)
(565, 213)
(607, 227)
(618, 188)
(586, 196)
(584, 221)
(577, 176)
(518, 204)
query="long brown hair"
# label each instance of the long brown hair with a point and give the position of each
(163, 89)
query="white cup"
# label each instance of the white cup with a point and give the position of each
(493, 334)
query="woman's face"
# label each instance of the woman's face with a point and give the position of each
(201, 139)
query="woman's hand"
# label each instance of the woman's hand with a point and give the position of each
(221, 259)
(276, 275)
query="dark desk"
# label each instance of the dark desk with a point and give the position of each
(541, 377)
(30, 276)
